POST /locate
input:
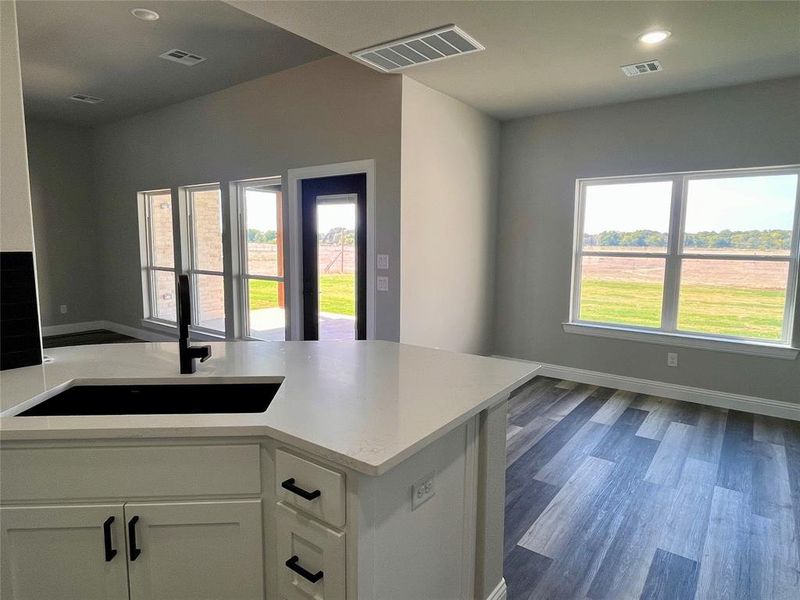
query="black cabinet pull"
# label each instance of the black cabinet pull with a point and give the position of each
(312, 577)
(289, 485)
(134, 551)
(110, 552)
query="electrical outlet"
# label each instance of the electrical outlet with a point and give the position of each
(672, 359)
(383, 284)
(383, 261)
(422, 491)
(63, 309)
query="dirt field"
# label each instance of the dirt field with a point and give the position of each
(745, 274)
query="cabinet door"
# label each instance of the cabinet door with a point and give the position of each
(195, 550)
(61, 552)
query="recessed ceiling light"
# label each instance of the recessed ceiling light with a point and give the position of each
(145, 14)
(654, 37)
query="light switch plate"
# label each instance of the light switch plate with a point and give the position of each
(383, 261)
(383, 284)
(422, 491)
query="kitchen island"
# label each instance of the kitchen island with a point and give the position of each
(376, 472)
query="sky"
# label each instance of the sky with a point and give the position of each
(735, 203)
(262, 213)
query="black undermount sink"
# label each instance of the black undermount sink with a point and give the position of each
(156, 399)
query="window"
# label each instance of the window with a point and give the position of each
(708, 254)
(261, 257)
(205, 257)
(158, 255)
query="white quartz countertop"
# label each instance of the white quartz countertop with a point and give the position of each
(364, 405)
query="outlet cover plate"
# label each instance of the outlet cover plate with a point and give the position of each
(422, 491)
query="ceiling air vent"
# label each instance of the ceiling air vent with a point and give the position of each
(419, 49)
(86, 99)
(182, 57)
(642, 68)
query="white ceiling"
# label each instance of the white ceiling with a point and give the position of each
(98, 48)
(550, 56)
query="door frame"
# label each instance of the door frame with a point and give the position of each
(294, 283)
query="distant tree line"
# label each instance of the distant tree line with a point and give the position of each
(769, 239)
(335, 235)
(262, 237)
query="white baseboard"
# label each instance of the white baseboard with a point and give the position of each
(73, 327)
(752, 404)
(140, 334)
(499, 593)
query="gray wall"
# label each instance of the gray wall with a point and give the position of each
(60, 164)
(329, 111)
(16, 231)
(743, 126)
(449, 190)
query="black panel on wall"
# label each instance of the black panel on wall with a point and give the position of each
(20, 344)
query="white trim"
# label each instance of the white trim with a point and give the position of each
(134, 332)
(239, 249)
(470, 526)
(72, 328)
(294, 287)
(499, 592)
(735, 346)
(676, 255)
(752, 404)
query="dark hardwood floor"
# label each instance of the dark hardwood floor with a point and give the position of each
(83, 338)
(614, 495)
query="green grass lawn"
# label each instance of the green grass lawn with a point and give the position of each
(338, 294)
(744, 312)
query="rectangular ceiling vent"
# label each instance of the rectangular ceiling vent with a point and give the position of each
(419, 49)
(182, 57)
(642, 68)
(86, 99)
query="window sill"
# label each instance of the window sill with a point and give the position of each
(160, 327)
(168, 329)
(684, 340)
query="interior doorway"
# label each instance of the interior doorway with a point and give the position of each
(334, 278)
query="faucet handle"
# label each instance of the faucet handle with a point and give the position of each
(206, 354)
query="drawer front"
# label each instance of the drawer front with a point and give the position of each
(304, 477)
(129, 472)
(312, 548)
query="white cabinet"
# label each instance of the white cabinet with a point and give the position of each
(60, 552)
(141, 551)
(195, 550)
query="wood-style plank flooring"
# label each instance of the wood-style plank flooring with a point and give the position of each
(614, 495)
(84, 338)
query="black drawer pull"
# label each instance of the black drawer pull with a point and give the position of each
(289, 485)
(110, 552)
(312, 577)
(134, 551)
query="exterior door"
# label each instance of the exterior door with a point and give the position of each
(195, 550)
(334, 217)
(64, 552)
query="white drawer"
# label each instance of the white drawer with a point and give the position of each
(296, 478)
(315, 551)
(129, 472)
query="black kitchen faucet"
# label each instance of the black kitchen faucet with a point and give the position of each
(188, 353)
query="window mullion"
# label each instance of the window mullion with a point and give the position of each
(672, 270)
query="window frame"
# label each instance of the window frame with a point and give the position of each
(244, 277)
(147, 254)
(674, 257)
(189, 255)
